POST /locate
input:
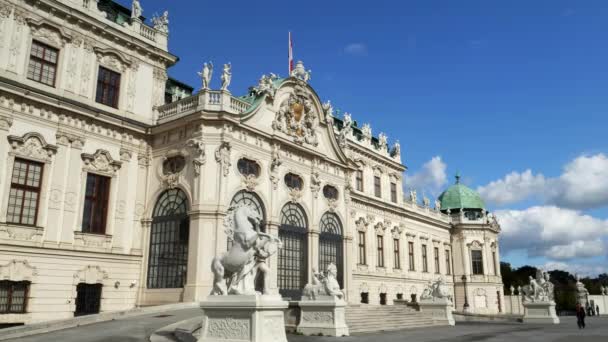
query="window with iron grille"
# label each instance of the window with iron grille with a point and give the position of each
(377, 187)
(24, 196)
(425, 261)
(448, 265)
(393, 192)
(477, 261)
(248, 167)
(437, 260)
(294, 181)
(88, 299)
(396, 254)
(108, 87)
(331, 244)
(169, 236)
(96, 201)
(13, 296)
(42, 66)
(361, 242)
(292, 267)
(380, 245)
(410, 247)
(359, 180)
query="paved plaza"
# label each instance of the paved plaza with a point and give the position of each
(138, 329)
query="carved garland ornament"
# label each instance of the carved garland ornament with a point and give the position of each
(296, 117)
(32, 145)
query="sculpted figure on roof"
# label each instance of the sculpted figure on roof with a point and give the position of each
(136, 9)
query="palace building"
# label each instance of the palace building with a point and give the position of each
(115, 179)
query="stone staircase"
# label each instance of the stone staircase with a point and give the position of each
(369, 318)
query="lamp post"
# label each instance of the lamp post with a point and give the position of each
(465, 307)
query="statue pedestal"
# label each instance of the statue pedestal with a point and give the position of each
(440, 309)
(540, 313)
(326, 315)
(255, 318)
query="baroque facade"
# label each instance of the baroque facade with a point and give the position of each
(116, 180)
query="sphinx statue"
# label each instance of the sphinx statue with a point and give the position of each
(324, 285)
(235, 271)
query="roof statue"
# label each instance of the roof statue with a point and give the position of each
(206, 74)
(266, 86)
(346, 131)
(396, 150)
(328, 108)
(226, 76)
(383, 139)
(161, 23)
(300, 72)
(413, 196)
(136, 9)
(367, 132)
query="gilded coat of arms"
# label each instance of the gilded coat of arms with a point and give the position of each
(296, 118)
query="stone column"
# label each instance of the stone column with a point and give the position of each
(348, 271)
(6, 121)
(201, 252)
(313, 256)
(146, 225)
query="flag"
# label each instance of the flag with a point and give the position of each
(290, 54)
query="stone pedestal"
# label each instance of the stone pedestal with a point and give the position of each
(255, 318)
(326, 315)
(440, 309)
(540, 313)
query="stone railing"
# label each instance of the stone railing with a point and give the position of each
(147, 32)
(205, 100)
(425, 210)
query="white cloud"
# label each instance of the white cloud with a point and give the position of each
(552, 232)
(356, 49)
(431, 178)
(582, 185)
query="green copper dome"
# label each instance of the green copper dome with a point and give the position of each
(460, 196)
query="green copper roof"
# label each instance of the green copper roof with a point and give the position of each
(460, 196)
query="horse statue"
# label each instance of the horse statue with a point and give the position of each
(235, 271)
(324, 285)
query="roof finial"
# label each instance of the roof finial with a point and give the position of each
(458, 177)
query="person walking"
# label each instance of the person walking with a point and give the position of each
(580, 316)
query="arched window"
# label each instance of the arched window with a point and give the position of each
(293, 257)
(331, 244)
(168, 255)
(254, 201)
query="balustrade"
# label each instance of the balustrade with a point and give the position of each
(205, 100)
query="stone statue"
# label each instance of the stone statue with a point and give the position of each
(437, 205)
(346, 130)
(540, 288)
(367, 132)
(235, 271)
(206, 74)
(512, 290)
(324, 285)
(383, 139)
(266, 86)
(161, 23)
(413, 196)
(300, 72)
(426, 202)
(328, 108)
(436, 290)
(136, 9)
(226, 76)
(582, 294)
(396, 150)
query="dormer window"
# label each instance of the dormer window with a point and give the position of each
(248, 167)
(330, 192)
(294, 181)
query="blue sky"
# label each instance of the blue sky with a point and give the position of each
(484, 87)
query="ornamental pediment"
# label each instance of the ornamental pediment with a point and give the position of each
(297, 116)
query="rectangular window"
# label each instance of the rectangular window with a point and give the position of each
(359, 180)
(380, 243)
(108, 87)
(362, 248)
(494, 262)
(425, 261)
(377, 187)
(437, 260)
(410, 247)
(24, 196)
(393, 192)
(477, 261)
(396, 254)
(43, 64)
(448, 266)
(13, 296)
(96, 200)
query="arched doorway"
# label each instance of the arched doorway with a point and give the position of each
(293, 257)
(331, 248)
(168, 256)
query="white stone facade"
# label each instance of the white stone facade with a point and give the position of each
(64, 128)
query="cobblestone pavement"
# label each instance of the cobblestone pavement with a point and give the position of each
(138, 329)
